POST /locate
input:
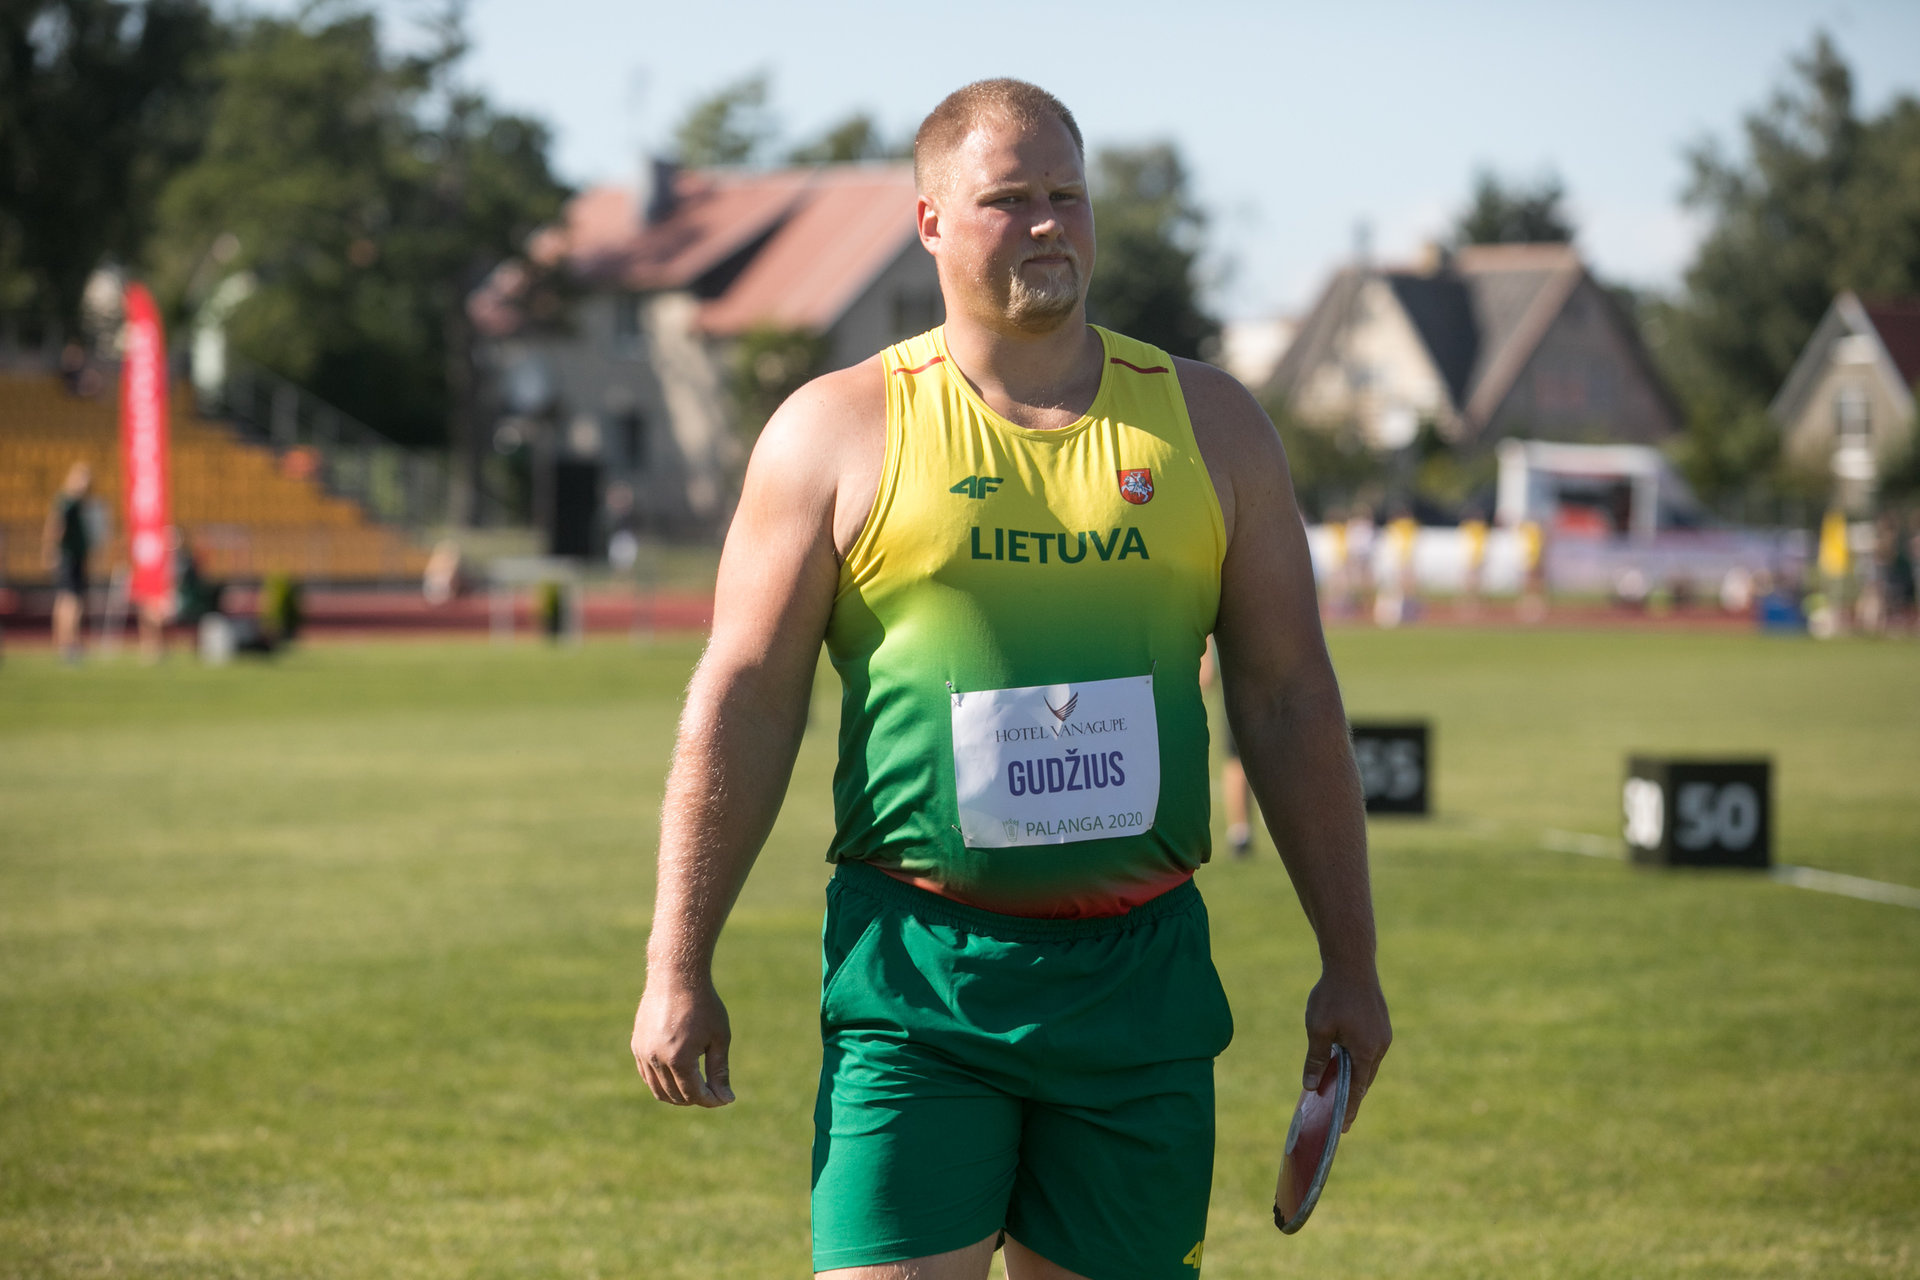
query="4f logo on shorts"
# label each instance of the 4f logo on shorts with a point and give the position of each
(1137, 486)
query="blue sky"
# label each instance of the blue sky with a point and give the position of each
(1298, 121)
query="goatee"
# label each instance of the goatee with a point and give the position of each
(1042, 305)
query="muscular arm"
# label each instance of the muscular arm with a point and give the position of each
(807, 491)
(1284, 705)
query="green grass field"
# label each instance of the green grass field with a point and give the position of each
(327, 968)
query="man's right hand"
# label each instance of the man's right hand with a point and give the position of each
(806, 497)
(674, 1028)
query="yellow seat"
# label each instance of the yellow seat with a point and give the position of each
(248, 515)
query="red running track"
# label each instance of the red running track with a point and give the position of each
(371, 614)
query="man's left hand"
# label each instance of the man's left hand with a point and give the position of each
(1348, 1009)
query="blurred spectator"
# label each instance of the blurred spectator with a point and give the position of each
(1533, 571)
(193, 598)
(1395, 601)
(1911, 543)
(1359, 540)
(1893, 551)
(1737, 591)
(1631, 590)
(1827, 612)
(1338, 600)
(623, 543)
(77, 373)
(1870, 609)
(445, 579)
(1778, 606)
(1473, 533)
(67, 547)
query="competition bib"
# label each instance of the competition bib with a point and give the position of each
(1056, 763)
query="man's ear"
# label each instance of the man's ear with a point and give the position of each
(927, 221)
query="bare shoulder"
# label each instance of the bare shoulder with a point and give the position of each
(823, 448)
(1225, 414)
(1236, 438)
(833, 410)
(1269, 623)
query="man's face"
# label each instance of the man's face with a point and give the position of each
(1011, 227)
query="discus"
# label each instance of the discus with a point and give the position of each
(1311, 1140)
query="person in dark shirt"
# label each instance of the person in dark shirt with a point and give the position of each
(1897, 541)
(193, 598)
(68, 546)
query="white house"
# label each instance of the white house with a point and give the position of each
(1847, 406)
(1489, 342)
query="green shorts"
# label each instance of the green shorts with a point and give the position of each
(984, 1072)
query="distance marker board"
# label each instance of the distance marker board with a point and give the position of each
(1396, 766)
(1699, 813)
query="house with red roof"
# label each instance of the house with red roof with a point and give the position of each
(622, 364)
(1488, 342)
(1847, 406)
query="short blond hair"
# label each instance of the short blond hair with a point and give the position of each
(1004, 99)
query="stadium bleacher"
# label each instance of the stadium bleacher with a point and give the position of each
(247, 510)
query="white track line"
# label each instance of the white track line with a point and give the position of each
(1898, 895)
(1581, 843)
(1819, 881)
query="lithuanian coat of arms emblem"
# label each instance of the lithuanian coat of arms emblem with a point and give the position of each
(1137, 486)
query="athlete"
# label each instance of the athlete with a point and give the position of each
(67, 545)
(1015, 534)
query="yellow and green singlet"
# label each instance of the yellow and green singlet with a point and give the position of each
(997, 557)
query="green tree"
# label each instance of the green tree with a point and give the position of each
(769, 364)
(368, 195)
(297, 168)
(1145, 282)
(1501, 214)
(1820, 201)
(1330, 468)
(730, 126)
(855, 138)
(100, 101)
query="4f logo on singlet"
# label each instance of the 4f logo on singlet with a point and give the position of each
(976, 486)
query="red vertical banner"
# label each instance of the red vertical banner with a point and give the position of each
(143, 448)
